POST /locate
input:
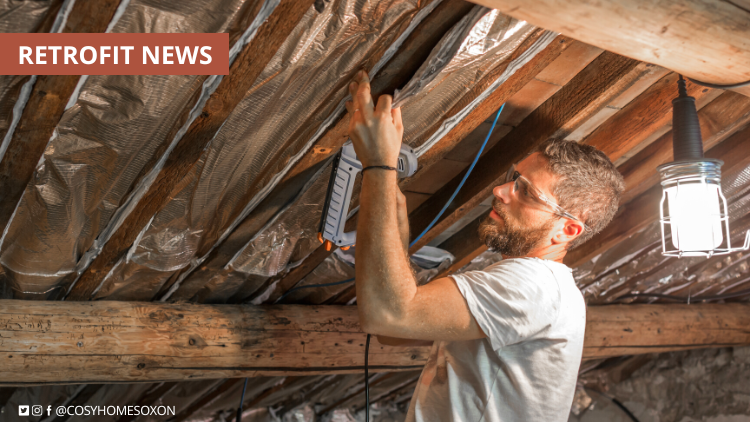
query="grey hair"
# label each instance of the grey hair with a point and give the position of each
(589, 186)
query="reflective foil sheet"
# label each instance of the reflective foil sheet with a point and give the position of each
(101, 147)
(294, 98)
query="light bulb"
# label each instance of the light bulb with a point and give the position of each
(695, 216)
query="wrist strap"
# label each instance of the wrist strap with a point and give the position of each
(379, 167)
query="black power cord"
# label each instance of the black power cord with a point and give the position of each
(710, 85)
(242, 399)
(367, 382)
(617, 403)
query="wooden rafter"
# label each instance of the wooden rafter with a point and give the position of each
(242, 74)
(43, 110)
(112, 342)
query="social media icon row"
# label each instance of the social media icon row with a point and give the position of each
(23, 410)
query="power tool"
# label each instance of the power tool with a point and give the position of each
(339, 194)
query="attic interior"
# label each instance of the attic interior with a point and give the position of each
(160, 233)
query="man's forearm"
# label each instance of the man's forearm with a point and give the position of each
(384, 278)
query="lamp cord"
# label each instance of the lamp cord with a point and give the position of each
(710, 85)
(367, 382)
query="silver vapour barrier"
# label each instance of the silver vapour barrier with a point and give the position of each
(101, 147)
(477, 44)
(293, 100)
(636, 265)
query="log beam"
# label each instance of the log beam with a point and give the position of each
(52, 342)
(702, 39)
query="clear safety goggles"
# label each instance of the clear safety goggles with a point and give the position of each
(530, 195)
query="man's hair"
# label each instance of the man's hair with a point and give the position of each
(589, 186)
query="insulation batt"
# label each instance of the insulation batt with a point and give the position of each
(636, 265)
(99, 149)
(294, 95)
(476, 45)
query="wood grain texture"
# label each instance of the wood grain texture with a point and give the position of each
(52, 342)
(618, 330)
(44, 108)
(587, 93)
(703, 39)
(242, 74)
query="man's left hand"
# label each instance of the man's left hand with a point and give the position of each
(376, 131)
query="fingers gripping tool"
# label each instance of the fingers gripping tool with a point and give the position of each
(346, 166)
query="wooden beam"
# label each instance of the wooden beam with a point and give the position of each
(703, 39)
(631, 127)
(242, 74)
(53, 342)
(587, 93)
(395, 74)
(644, 210)
(43, 110)
(618, 330)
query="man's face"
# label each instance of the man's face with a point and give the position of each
(514, 228)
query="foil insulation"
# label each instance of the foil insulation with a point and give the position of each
(103, 145)
(636, 265)
(478, 43)
(296, 97)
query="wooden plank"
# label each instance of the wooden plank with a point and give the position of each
(448, 142)
(44, 108)
(592, 89)
(395, 74)
(718, 120)
(53, 342)
(718, 49)
(632, 125)
(242, 74)
(644, 210)
(110, 342)
(618, 330)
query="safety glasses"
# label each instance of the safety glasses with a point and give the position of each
(530, 195)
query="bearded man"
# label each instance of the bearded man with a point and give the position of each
(507, 340)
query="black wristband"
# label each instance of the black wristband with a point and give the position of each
(379, 167)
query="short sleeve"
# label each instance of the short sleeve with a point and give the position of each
(512, 301)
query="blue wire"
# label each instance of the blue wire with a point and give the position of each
(460, 185)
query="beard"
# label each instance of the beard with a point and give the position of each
(512, 240)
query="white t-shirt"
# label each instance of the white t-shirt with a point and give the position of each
(526, 370)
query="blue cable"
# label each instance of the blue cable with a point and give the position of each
(460, 185)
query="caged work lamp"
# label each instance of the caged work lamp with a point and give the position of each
(693, 209)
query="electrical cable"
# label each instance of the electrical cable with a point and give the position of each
(710, 85)
(242, 399)
(460, 185)
(688, 299)
(616, 402)
(367, 382)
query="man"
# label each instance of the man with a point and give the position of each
(507, 340)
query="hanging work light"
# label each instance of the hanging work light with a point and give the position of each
(693, 209)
